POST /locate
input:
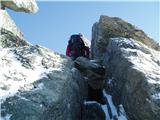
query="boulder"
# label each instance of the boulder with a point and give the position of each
(86, 64)
(93, 72)
(110, 27)
(29, 6)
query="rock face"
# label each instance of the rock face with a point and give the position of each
(11, 36)
(109, 27)
(93, 111)
(28, 6)
(36, 83)
(135, 73)
(93, 72)
(133, 68)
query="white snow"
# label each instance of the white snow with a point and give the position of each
(90, 102)
(146, 62)
(127, 41)
(14, 76)
(105, 109)
(122, 115)
(156, 96)
(113, 108)
(109, 81)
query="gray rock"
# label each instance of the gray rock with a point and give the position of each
(93, 72)
(28, 6)
(134, 84)
(10, 35)
(36, 83)
(132, 64)
(93, 111)
(111, 27)
(57, 95)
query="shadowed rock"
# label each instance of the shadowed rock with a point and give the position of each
(93, 111)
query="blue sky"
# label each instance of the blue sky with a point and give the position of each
(56, 21)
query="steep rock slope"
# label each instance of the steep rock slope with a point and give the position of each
(135, 77)
(110, 27)
(11, 36)
(133, 68)
(36, 83)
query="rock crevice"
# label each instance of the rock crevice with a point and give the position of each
(131, 58)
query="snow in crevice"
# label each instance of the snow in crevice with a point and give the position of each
(121, 116)
(156, 96)
(113, 108)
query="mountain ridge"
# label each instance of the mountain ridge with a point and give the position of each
(40, 84)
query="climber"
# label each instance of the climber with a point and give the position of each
(76, 47)
(95, 75)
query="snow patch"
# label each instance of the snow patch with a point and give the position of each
(121, 41)
(144, 59)
(110, 81)
(122, 114)
(113, 108)
(90, 102)
(14, 76)
(105, 109)
(148, 64)
(156, 96)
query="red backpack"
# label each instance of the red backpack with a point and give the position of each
(76, 47)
